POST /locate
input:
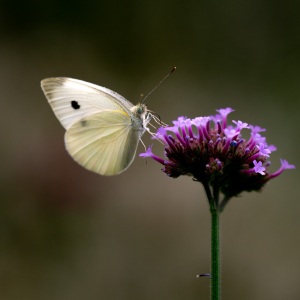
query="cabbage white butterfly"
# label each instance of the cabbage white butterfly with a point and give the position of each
(103, 129)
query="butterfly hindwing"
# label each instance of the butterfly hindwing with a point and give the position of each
(104, 142)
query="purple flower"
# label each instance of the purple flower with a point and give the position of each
(284, 166)
(258, 167)
(216, 154)
(240, 125)
(149, 153)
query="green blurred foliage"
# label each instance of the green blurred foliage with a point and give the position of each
(66, 233)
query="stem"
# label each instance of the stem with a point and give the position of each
(224, 202)
(208, 194)
(215, 255)
(216, 195)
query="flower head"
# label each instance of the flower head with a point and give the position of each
(216, 154)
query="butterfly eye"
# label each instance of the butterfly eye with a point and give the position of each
(139, 110)
(75, 104)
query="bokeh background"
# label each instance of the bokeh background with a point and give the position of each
(66, 233)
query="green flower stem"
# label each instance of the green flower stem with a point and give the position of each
(215, 255)
(224, 202)
(213, 200)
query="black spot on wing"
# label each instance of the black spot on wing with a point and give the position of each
(75, 104)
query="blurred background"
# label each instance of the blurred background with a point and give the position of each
(66, 233)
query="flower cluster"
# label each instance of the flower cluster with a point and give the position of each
(216, 154)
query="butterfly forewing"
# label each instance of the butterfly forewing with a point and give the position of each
(73, 100)
(104, 143)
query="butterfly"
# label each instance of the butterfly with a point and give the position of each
(103, 129)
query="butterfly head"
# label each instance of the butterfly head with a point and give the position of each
(141, 112)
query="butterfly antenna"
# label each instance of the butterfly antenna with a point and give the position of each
(144, 98)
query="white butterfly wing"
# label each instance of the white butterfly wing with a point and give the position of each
(104, 143)
(102, 134)
(72, 99)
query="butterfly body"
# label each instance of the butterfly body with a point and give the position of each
(103, 129)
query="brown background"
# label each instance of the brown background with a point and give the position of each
(66, 233)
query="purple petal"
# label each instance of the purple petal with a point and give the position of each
(258, 167)
(256, 129)
(150, 154)
(285, 165)
(263, 150)
(224, 112)
(240, 125)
